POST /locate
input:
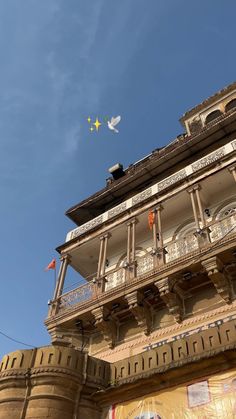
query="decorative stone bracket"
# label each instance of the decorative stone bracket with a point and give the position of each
(60, 336)
(107, 326)
(215, 270)
(140, 310)
(171, 297)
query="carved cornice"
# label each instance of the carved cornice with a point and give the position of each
(159, 334)
(215, 270)
(140, 310)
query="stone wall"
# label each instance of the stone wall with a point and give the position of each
(47, 383)
(57, 382)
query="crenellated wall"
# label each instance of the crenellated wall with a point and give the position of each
(47, 383)
(57, 382)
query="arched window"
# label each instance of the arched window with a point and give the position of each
(230, 105)
(184, 242)
(213, 115)
(225, 217)
(226, 210)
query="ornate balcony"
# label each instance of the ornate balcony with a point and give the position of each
(215, 233)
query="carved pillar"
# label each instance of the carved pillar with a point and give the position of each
(158, 250)
(215, 270)
(202, 233)
(106, 325)
(140, 310)
(62, 274)
(154, 231)
(161, 255)
(192, 195)
(100, 258)
(59, 284)
(133, 226)
(129, 243)
(171, 297)
(131, 246)
(197, 189)
(232, 170)
(104, 256)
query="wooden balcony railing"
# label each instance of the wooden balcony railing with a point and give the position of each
(214, 232)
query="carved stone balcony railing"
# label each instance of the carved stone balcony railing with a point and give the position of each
(77, 296)
(220, 228)
(114, 278)
(144, 264)
(181, 247)
(215, 231)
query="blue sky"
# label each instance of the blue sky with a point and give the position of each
(65, 60)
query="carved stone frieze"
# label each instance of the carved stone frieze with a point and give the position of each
(106, 325)
(141, 196)
(215, 270)
(117, 210)
(172, 179)
(171, 297)
(140, 310)
(234, 144)
(211, 158)
(87, 226)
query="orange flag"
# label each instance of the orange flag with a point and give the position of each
(51, 265)
(151, 218)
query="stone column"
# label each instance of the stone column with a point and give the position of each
(202, 233)
(133, 247)
(61, 279)
(197, 189)
(133, 223)
(100, 258)
(161, 258)
(104, 255)
(128, 257)
(60, 284)
(154, 231)
(101, 281)
(129, 232)
(192, 193)
(232, 170)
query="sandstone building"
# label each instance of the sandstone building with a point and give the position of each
(151, 332)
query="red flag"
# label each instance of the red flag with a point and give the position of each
(151, 218)
(51, 265)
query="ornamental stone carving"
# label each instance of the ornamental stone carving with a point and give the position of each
(172, 179)
(117, 210)
(234, 144)
(215, 270)
(141, 196)
(170, 297)
(106, 325)
(87, 226)
(140, 310)
(211, 158)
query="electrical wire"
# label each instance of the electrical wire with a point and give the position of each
(17, 341)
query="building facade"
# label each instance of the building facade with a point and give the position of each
(150, 333)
